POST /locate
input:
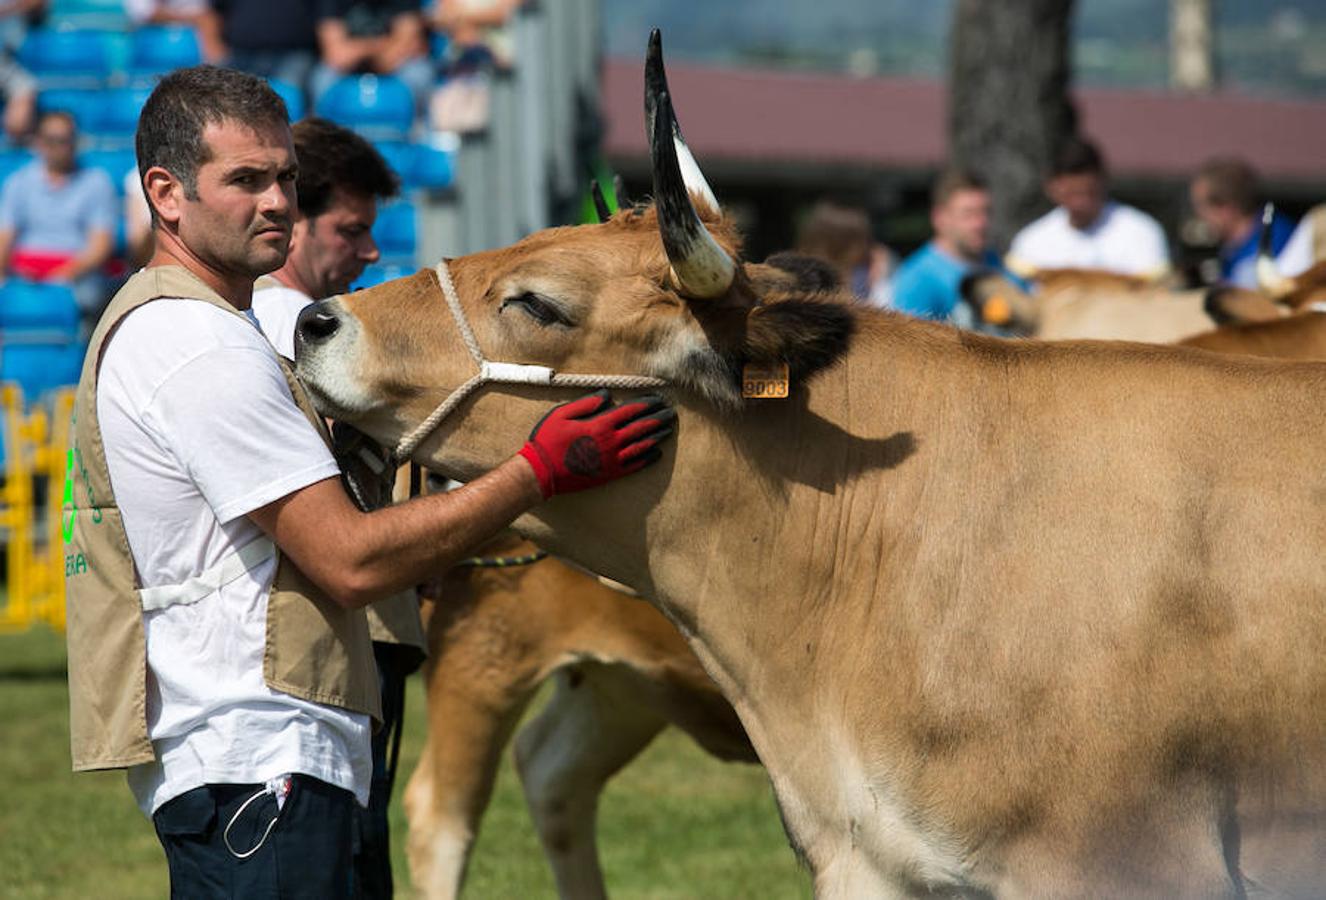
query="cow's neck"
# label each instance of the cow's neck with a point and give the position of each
(767, 537)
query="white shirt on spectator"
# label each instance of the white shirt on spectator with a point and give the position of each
(276, 309)
(1122, 239)
(140, 11)
(199, 428)
(1297, 256)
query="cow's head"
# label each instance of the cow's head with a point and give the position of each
(656, 290)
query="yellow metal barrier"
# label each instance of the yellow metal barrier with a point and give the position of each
(36, 445)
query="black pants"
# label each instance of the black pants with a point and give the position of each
(308, 853)
(373, 864)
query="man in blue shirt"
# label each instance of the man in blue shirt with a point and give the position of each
(57, 221)
(1226, 194)
(927, 282)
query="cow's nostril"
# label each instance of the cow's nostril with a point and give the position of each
(316, 325)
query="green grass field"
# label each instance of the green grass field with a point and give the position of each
(675, 824)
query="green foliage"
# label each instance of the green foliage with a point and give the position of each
(674, 824)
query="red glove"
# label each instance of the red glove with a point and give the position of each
(589, 441)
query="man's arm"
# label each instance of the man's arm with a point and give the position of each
(6, 248)
(100, 245)
(358, 557)
(404, 42)
(341, 51)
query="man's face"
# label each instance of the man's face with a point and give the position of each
(330, 251)
(55, 143)
(1082, 197)
(964, 221)
(240, 222)
(1221, 218)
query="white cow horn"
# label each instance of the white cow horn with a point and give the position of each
(701, 268)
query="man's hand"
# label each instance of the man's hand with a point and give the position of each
(589, 441)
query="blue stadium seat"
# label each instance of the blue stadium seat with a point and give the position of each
(115, 163)
(89, 13)
(376, 274)
(432, 168)
(35, 311)
(394, 232)
(115, 117)
(76, 56)
(400, 156)
(12, 159)
(292, 95)
(378, 106)
(39, 335)
(40, 367)
(84, 104)
(158, 49)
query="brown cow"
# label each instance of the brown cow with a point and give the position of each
(1072, 303)
(991, 612)
(622, 674)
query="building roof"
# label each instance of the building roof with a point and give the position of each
(756, 117)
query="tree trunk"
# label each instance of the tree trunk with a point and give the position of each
(1009, 109)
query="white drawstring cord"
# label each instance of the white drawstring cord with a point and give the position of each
(501, 373)
(275, 787)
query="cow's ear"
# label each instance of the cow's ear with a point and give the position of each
(809, 273)
(807, 335)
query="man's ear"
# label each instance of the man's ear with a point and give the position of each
(164, 194)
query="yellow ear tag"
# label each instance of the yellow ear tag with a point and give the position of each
(996, 311)
(764, 381)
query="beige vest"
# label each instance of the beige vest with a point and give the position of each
(394, 620)
(315, 650)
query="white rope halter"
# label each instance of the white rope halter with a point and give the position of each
(501, 373)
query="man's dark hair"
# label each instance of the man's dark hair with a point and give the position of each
(184, 103)
(1232, 182)
(1077, 156)
(332, 157)
(950, 181)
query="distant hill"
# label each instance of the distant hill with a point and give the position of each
(1263, 46)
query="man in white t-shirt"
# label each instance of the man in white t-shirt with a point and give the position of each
(1086, 229)
(252, 789)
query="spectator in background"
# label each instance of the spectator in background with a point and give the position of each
(138, 239)
(1086, 229)
(841, 236)
(57, 221)
(1227, 196)
(194, 14)
(478, 43)
(927, 281)
(266, 38)
(383, 37)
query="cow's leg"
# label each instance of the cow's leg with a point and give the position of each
(586, 733)
(453, 782)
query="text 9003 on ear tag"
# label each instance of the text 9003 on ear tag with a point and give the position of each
(764, 381)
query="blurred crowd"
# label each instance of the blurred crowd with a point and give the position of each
(60, 221)
(1086, 229)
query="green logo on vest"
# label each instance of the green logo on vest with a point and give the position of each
(74, 564)
(67, 521)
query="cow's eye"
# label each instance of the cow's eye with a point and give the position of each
(537, 308)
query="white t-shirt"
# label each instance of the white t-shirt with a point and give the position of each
(199, 428)
(1123, 240)
(276, 309)
(1297, 255)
